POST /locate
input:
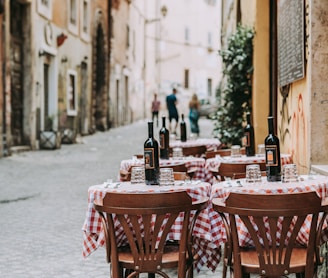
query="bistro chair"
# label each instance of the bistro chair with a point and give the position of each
(146, 220)
(197, 151)
(222, 152)
(273, 222)
(178, 176)
(236, 170)
(176, 167)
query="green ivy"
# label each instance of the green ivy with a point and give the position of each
(237, 91)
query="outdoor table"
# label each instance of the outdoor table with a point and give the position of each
(198, 163)
(208, 254)
(317, 183)
(214, 163)
(210, 143)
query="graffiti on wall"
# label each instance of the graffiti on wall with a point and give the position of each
(293, 129)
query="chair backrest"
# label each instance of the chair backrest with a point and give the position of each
(146, 219)
(196, 151)
(237, 170)
(222, 152)
(176, 167)
(180, 175)
(273, 222)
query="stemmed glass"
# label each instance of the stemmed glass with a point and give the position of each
(191, 172)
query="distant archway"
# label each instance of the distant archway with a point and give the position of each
(99, 107)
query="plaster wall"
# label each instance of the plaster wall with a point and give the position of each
(319, 83)
(260, 100)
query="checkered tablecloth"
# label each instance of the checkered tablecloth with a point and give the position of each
(210, 143)
(208, 252)
(201, 173)
(214, 163)
(222, 190)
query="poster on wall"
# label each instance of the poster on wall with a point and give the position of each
(290, 41)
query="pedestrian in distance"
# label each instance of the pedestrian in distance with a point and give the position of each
(155, 106)
(171, 103)
(194, 106)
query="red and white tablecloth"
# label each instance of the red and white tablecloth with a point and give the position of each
(210, 143)
(209, 254)
(201, 173)
(215, 162)
(222, 190)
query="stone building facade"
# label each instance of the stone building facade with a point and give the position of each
(299, 105)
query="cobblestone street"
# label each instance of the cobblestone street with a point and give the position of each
(44, 199)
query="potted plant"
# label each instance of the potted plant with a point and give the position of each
(237, 90)
(49, 138)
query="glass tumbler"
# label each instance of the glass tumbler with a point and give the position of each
(253, 173)
(235, 151)
(166, 176)
(137, 174)
(289, 173)
(260, 150)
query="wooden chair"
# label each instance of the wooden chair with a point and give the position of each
(146, 219)
(180, 176)
(197, 151)
(236, 170)
(262, 215)
(222, 152)
(177, 167)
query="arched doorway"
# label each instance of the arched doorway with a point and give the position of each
(100, 77)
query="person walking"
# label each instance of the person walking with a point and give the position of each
(155, 106)
(194, 106)
(171, 102)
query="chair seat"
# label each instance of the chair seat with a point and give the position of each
(249, 259)
(170, 257)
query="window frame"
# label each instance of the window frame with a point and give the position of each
(85, 19)
(73, 27)
(45, 10)
(71, 109)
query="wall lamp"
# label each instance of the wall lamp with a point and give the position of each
(42, 52)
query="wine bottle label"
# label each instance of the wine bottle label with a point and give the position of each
(149, 158)
(162, 141)
(247, 139)
(271, 155)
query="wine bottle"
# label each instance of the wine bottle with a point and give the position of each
(164, 140)
(183, 129)
(151, 157)
(272, 154)
(249, 137)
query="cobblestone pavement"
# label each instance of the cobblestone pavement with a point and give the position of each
(43, 200)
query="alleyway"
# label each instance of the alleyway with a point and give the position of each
(43, 201)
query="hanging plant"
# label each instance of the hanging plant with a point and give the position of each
(237, 91)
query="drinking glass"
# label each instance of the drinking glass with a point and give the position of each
(253, 173)
(289, 173)
(235, 150)
(260, 150)
(137, 174)
(166, 176)
(177, 153)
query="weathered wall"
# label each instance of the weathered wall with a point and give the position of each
(319, 82)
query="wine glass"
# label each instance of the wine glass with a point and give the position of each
(191, 172)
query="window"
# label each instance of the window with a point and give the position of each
(186, 78)
(71, 93)
(85, 18)
(73, 16)
(45, 8)
(209, 39)
(187, 35)
(209, 87)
